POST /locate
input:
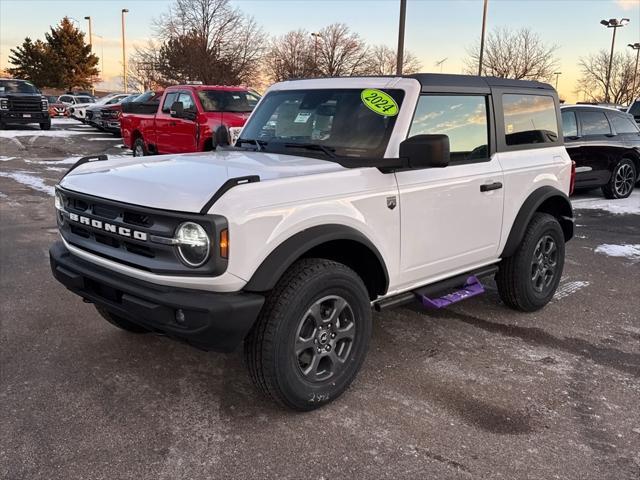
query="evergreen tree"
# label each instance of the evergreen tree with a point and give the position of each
(31, 62)
(73, 63)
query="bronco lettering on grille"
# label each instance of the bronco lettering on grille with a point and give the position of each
(108, 227)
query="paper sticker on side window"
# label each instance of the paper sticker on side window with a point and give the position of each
(302, 117)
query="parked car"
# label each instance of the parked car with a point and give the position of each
(93, 113)
(56, 108)
(109, 118)
(22, 103)
(189, 118)
(634, 109)
(79, 111)
(72, 99)
(342, 195)
(605, 144)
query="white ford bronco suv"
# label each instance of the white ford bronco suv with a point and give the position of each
(341, 196)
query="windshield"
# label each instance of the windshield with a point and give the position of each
(14, 86)
(53, 99)
(85, 100)
(228, 101)
(335, 120)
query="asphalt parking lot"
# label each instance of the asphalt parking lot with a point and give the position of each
(474, 392)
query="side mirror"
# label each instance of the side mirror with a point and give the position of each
(426, 151)
(177, 110)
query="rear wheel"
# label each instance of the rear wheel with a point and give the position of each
(45, 125)
(120, 322)
(139, 149)
(312, 335)
(623, 179)
(529, 278)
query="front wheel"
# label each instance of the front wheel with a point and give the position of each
(139, 149)
(622, 181)
(46, 125)
(312, 335)
(529, 278)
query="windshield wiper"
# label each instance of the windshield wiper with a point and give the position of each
(328, 151)
(258, 143)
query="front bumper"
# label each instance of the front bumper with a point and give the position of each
(19, 117)
(212, 321)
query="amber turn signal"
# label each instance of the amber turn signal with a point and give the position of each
(224, 243)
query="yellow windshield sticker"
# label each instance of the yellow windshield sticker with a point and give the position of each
(379, 102)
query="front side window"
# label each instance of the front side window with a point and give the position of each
(594, 123)
(462, 118)
(569, 124)
(168, 101)
(318, 121)
(623, 124)
(187, 102)
(635, 109)
(529, 119)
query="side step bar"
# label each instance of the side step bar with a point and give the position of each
(439, 294)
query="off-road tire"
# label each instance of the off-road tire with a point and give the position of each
(269, 348)
(139, 146)
(614, 189)
(120, 322)
(46, 125)
(514, 277)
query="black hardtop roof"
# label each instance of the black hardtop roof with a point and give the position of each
(474, 81)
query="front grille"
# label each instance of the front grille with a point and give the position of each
(143, 254)
(89, 114)
(25, 104)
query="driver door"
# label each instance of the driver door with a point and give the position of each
(451, 218)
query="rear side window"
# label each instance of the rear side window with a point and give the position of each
(623, 124)
(529, 119)
(462, 118)
(594, 123)
(168, 101)
(569, 124)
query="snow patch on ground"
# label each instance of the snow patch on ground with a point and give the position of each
(6, 159)
(65, 161)
(31, 181)
(569, 288)
(632, 252)
(38, 133)
(629, 205)
(112, 139)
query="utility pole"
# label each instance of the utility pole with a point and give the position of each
(400, 53)
(636, 47)
(93, 88)
(615, 24)
(316, 36)
(124, 53)
(557, 74)
(484, 28)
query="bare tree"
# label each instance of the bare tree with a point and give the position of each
(144, 69)
(210, 41)
(382, 61)
(291, 56)
(593, 81)
(341, 52)
(518, 54)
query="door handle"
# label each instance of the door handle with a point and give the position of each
(490, 186)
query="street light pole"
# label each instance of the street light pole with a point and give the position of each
(315, 36)
(615, 24)
(400, 53)
(636, 47)
(93, 89)
(124, 54)
(557, 74)
(484, 27)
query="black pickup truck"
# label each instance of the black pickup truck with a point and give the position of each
(21, 102)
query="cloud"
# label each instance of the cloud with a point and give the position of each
(628, 4)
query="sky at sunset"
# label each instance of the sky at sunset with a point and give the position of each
(436, 29)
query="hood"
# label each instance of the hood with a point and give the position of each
(183, 182)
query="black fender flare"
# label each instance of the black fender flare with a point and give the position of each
(559, 206)
(283, 256)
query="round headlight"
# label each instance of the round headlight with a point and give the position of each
(58, 201)
(193, 244)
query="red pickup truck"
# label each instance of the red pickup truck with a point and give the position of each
(188, 118)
